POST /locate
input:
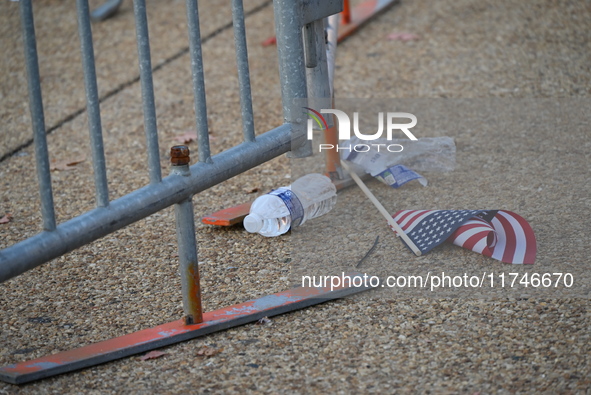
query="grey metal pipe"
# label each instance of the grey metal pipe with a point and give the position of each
(145, 64)
(332, 33)
(243, 71)
(92, 104)
(310, 45)
(198, 81)
(292, 71)
(37, 116)
(320, 95)
(185, 234)
(189, 266)
(143, 202)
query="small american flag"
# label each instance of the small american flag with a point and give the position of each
(500, 234)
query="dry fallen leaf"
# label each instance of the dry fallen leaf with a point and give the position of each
(190, 136)
(402, 36)
(6, 219)
(186, 137)
(64, 165)
(251, 189)
(153, 355)
(206, 351)
(264, 321)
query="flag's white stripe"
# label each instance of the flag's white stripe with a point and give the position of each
(520, 240)
(480, 246)
(400, 214)
(501, 239)
(417, 220)
(411, 217)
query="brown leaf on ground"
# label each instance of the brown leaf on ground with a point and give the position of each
(251, 189)
(189, 136)
(6, 219)
(186, 137)
(264, 321)
(402, 36)
(206, 351)
(153, 355)
(65, 165)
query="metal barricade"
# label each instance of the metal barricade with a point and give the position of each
(303, 71)
(55, 240)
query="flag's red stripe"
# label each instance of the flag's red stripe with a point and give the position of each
(474, 223)
(521, 244)
(487, 252)
(497, 252)
(472, 240)
(467, 226)
(510, 240)
(401, 215)
(411, 219)
(530, 238)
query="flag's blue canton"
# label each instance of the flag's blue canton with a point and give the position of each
(438, 226)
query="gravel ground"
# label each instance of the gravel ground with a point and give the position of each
(510, 82)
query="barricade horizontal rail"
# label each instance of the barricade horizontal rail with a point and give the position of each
(141, 203)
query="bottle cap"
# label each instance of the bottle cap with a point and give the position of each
(253, 223)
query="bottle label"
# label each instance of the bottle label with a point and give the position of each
(296, 210)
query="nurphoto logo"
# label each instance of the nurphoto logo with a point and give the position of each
(345, 129)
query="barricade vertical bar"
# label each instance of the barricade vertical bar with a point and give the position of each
(332, 36)
(92, 104)
(243, 71)
(320, 92)
(145, 64)
(189, 267)
(37, 116)
(185, 231)
(292, 71)
(198, 81)
(310, 46)
(318, 84)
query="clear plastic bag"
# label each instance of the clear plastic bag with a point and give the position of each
(425, 154)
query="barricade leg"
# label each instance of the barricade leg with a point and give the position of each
(185, 232)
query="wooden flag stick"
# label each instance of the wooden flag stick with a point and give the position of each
(381, 209)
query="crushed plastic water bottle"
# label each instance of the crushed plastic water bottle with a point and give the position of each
(276, 212)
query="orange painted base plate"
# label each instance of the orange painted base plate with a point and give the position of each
(228, 216)
(177, 331)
